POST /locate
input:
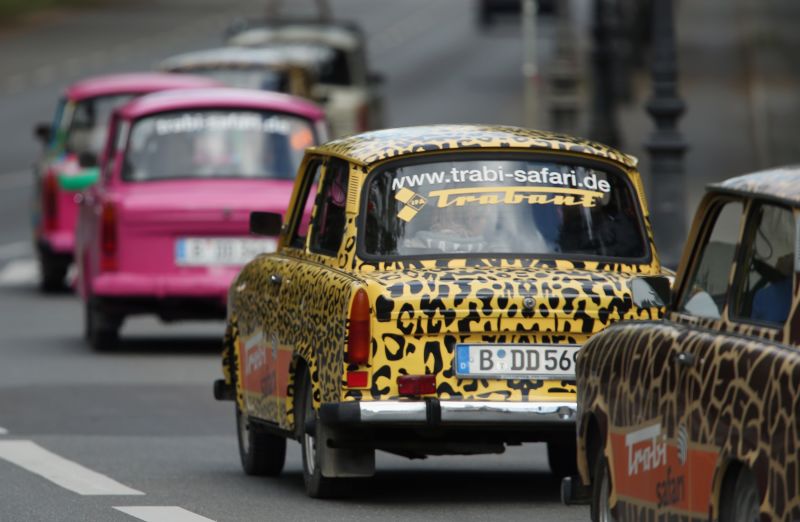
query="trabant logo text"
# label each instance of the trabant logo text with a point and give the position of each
(256, 353)
(647, 449)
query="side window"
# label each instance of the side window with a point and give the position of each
(55, 127)
(330, 219)
(116, 140)
(763, 290)
(707, 288)
(309, 192)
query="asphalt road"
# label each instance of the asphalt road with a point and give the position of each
(135, 434)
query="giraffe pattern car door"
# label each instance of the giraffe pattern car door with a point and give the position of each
(655, 455)
(691, 462)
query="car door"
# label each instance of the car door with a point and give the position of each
(652, 451)
(90, 205)
(703, 304)
(320, 291)
(721, 361)
(265, 336)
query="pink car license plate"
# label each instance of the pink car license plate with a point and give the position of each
(205, 251)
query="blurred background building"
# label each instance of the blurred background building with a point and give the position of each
(585, 65)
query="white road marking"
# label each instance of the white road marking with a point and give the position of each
(162, 514)
(14, 180)
(3, 431)
(15, 249)
(19, 272)
(60, 471)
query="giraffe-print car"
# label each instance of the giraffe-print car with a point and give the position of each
(696, 417)
(437, 298)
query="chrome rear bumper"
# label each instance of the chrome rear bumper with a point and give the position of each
(448, 412)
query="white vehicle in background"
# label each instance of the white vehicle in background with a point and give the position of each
(348, 90)
(288, 69)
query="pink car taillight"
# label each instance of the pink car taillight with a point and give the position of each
(50, 201)
(108, 237)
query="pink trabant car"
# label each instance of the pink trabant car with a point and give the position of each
(165, 230)
(72, 144)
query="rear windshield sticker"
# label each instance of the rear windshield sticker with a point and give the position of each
(544, 176)
(413, 203)
(187, 123)
(517, 195)
(537, 187)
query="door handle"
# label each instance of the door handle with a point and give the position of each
(275, 279)
(685, 359)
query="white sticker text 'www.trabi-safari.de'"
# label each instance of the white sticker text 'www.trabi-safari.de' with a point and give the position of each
(544, 176)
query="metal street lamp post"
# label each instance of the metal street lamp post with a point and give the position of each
(530, 67)
(666, 145)
(603, 123)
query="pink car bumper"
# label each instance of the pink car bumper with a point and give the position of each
(212, 284)
(169, 296)
(59, 237)
(59, 241)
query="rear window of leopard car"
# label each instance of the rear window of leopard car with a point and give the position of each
(501, 205)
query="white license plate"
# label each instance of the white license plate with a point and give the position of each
(209, 251)
(517, 361)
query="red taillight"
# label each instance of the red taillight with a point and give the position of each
(108, 237)
(358, 336)
(357, 379)
(413, 385)
(50, 201)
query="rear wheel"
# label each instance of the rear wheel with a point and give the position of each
(314, 448)
(601, 489)
(562, 456)
(261, 453)
(101, 329)
(740, 500)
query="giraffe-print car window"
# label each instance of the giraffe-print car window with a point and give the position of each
(764, 288)
(708, 286)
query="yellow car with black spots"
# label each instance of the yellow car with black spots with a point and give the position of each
(430, 292)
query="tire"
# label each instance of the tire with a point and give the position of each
(601, 489)
(52, 273)
(101, 330)
(262, 454)
(562, 456)
(317, 486)
(739, 500)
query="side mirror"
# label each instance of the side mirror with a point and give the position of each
(87, 160)
(649, 291)
(80, 181)
(42, 132)
(265, 223)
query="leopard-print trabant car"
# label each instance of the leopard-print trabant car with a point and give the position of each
(698, 417)
(437, 299)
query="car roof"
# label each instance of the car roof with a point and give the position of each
(188, 99)
(305, 55)
(375, 146)
(780, 184)
(134, 83)
(341, 35)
